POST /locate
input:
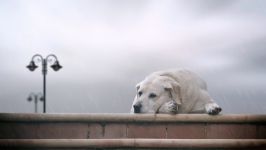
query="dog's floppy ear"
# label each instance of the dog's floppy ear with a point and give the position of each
(174, 88)
(138, 86)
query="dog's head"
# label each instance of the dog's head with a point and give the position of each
(157, 94)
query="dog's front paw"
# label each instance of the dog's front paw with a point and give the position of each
(213, 108)
(169, 108)
(172, 107)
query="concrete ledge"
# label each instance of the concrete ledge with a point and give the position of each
(126, 126)
(190, 118)
(134, 143)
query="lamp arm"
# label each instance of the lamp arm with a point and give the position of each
(31, 94)
(40, 94)
(51, 55)
(37, 55)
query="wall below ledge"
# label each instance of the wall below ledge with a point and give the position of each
(176, 144)
(127, 126)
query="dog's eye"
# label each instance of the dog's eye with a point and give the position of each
(152, 95)
(139, 93)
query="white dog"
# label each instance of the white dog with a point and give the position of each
(173, 91)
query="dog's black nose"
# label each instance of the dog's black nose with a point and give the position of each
(137, 108)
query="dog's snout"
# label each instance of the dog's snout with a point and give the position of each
(137, 108)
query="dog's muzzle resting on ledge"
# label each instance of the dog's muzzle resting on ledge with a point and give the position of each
(173, 91)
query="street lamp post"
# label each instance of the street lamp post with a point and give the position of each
(36, 97)
(56, 66)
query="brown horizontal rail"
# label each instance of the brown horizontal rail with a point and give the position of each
(133, 143)
(120, 118)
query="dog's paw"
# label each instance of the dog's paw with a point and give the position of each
(213, 108)
(172, 107)
(169, 108)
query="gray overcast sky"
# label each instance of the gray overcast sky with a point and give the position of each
(106, 47)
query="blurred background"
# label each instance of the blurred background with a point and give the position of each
(107, 46)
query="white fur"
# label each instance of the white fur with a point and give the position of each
(177, 91)
(212, 108)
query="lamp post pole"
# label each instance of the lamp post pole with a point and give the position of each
(36, 97)
(56, 66)
(44, 72)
